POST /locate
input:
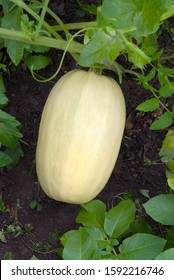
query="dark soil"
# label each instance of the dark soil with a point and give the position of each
(19, 186)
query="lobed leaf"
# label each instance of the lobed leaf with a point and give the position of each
(145, 15)
(136, 55)
(5, 117)
(4, 159)
(9, 133)
(102, 48)
(15, 49)
(3, 100)
(15, 154)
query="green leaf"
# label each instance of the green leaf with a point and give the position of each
(166, 255)
(99, 237)
(140, 226)
(170, 182)
(15, 49)
(136, 55)
(5, 5)
(161, 208)
(66, 236)
(150, 46)
(149, 105)
(34, 258)
(141, 246)
(5, 117)
(145, 192)
(3, 97)
(15, 154)
(91, 8)
(27, 26)
(144, 14)
(37, 62)
(2, 86)
(34, 204)
(9, 135)
(167, 87)
(4, 159)
(38, 49)
(92, 214)
(165, 120)
(12, 19)
(103, 48)
(164, 72)
(170, 237)
(108, 256)
(119, 218)
(79, 246)
(53, 237)
(166, 91)
(167, 150)
(145, 79)
(3, 100)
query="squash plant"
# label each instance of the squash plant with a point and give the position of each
(108, 40)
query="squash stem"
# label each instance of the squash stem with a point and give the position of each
(96, 70)
(41, 40)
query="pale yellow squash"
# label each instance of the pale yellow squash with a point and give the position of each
(79, 138)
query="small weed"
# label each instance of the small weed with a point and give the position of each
(35, 204)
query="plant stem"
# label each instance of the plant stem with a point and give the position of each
(162, 104)
(75, 25)
(134, 47)
(41, 40)
(24, 6)
(46, 25)
(63, 27)
(38, 251)
(40, 23)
